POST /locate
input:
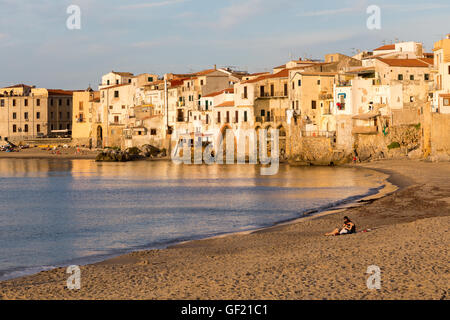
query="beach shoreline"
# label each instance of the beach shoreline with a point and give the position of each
(396, 183)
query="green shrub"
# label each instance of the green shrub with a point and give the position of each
(394, 145)
(417, 126)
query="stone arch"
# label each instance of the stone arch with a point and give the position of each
(99, 137)
(222, 140)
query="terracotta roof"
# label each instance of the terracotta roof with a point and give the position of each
(412, 63)
(282, 74)
(205, 72)
(176, 82)
(226, 104)
(324, 74)
(427, 60)
(59, 92)
(281, 67)
(386, 47)
(229, 90)
(256, 74)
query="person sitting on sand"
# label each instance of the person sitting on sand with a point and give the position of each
(348, 228)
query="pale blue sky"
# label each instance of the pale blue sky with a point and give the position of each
(162, 36)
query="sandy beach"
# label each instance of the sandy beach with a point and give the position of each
(60, 153)
(409, 241)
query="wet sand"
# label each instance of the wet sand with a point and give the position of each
(38, 153)
(409, 241)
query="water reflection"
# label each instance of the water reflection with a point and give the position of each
(57, 211)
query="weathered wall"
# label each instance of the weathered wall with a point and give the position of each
(375, 146)
(440, 136)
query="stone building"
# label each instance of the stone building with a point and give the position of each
(27, 112)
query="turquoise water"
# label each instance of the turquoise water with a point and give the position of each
(56, 213)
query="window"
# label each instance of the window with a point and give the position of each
(25, 128)
(123, 107)
(51, 102)
(411, 77)
(153, 132)
(427, 77)
(2, 103)
(52, 127)
(218, 117)
(318, 82)
(60, 127)
(110, 107)
(245, 93)
(107, 82)
(80, 106)
(237, 117)
(25, 102)
(400, 77)
(201, 82)
(14, 102)
(261, 91)
(51, 115)
(411, 99)
(448, 69)
(446, 102)
(313, 104)
(245, 116)
(299, 83)
(296, 104)
(25, 115)
(272, 90)
(60, 115)
(117, 81)
(68, 115)
(293, 85)
(38, 115)
(116, 94)
(116, 119)
(150, 79)
(80, 117)
(68, 102)
(14, 128)
(14, 115)
(285, 89)
(263, 113)
(129, 80)
(38, 102)
(38, 128)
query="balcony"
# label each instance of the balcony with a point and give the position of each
(318, 134)
(269, 95)
(365, 130)
(326, 96)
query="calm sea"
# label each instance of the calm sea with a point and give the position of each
(57, 213)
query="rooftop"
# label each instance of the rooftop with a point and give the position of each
(411, 63)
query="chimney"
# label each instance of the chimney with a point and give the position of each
(215, 67)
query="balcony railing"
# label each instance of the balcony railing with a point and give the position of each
(318, 134)
(268, 95)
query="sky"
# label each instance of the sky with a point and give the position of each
(179, 36)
